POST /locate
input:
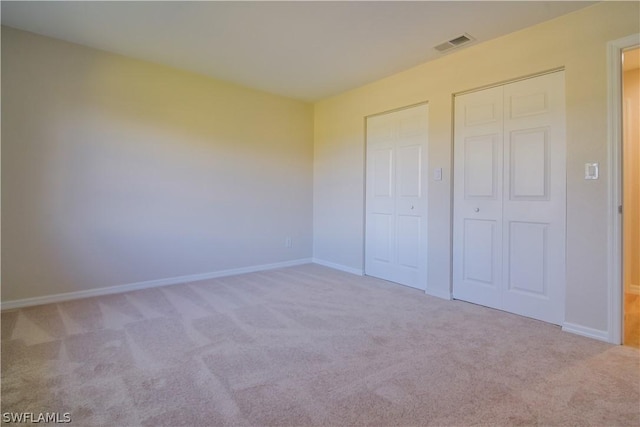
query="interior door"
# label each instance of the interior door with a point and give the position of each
(396, 199)
(510, 197)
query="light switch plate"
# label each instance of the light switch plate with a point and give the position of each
(591, 170)
(437, 174)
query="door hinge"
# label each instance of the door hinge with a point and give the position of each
(620, 209)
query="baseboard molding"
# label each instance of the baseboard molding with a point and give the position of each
(633, 289)
(356, 271)
(67, 296)
(584, 331)
(439, 294)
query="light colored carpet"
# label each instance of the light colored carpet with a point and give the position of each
(305, 346)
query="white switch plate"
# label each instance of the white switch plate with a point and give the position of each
(437, 174)
(591, 170)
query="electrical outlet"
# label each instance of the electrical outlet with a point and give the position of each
(287, 242)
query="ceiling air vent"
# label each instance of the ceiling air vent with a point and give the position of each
(453, 43)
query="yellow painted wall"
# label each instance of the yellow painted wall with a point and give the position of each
(576, 42)
(117, 171)
(631, 184)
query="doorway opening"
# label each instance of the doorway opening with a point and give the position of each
(631, 195)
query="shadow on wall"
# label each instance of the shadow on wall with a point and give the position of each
(117, 171)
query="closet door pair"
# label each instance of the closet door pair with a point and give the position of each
(510, 197)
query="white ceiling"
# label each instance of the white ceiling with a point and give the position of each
(303, 50)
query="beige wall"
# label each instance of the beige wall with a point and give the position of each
(116, 171)
(576, 42)
(631, 184)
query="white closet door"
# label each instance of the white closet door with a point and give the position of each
(510, 198)
(477, 233)
(396, 199)
(534, 218)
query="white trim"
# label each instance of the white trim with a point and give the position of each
(356, 271)
(584, 331)
(614, 220)
(48, 299)
(446, 295)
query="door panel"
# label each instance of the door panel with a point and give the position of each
(477, 232)
(527, 261)
(480, 162)
(535, 195)
(479, 113)
(479, 255)
(383, 228)
(409, 173)
(409, 241)
(529, 164)
(525, 104)
(519, 187)
(382, 161)
(396, 246)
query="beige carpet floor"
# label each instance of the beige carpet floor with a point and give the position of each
(307, 346)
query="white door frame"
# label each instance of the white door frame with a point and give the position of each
(614, 226)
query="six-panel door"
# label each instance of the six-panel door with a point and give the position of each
(510, 197)
(396, 199)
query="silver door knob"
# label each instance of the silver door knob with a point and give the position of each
(477, 209)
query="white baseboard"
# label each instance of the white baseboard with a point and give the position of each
(67, 296)
(439, 294)
(356, 271)
(596, 334)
